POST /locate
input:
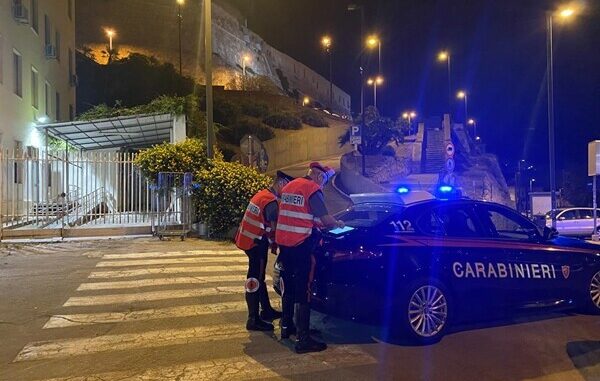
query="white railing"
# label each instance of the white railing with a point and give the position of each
(72, 189)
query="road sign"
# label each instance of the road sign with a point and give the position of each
(450, 165)
(252, 153)
(263, 160)
(355, 135)
(450, 150)
(250, 145)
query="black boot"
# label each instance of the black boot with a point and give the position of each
(287, 316)
(267, 312)
(254, 322)
(305, 343)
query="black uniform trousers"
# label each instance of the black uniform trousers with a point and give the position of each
(297, 266)
(257, 265)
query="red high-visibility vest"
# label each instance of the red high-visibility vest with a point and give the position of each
(295, 221)
(253, 225)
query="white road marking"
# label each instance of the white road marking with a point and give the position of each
(241, 277)
(260, 366)
(61, 321)
(167, 270)
(191, 253)
(98, 300)
(171, 261)
(153, 339)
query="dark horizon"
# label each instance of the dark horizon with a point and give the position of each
(498, 55)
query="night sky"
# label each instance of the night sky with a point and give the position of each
(498, 52)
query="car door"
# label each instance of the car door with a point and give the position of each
(467, 256)
(566, 222)
(586, 222)
(534, 270)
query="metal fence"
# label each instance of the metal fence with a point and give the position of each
(70, 190)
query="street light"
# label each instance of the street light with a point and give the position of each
(444, 56)
(473, 122)
(463, 95)
(245, 60)
(110, 33)
(179, 20)
(374, 42)
(374, 82)
(563, 14)
(326, 42)
(409, 115)
(305, 101)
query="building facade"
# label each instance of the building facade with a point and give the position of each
(37, 68)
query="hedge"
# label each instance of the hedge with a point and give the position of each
(186, 156)
(312, 118)
(224, 192)
(284, 121)
(255, 109)
(243, 127)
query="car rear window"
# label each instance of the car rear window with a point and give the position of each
(368, 214)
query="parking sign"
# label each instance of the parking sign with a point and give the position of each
(355, 135)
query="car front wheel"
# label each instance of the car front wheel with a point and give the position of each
(593, 294)
(424, 313)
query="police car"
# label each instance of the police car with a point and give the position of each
(418, 267)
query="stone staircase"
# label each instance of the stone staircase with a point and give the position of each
(434, 151)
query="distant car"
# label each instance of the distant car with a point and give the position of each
(418, 268)
(577, 222)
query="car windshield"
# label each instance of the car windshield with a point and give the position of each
(368, 214)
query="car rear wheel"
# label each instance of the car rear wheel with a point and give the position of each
(424, 313)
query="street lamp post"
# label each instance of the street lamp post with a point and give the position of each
(110, 33)
(463, 95)
(210, 134)
(351, 8)
(409, 115)
(563, 14)
(531, 181)
(326, 43)
(179, 20)
(374, 82)
(372, 42)
(473, 123)
(445, 56)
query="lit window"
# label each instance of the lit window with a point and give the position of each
(18, 73)
(35, 97)
(57, 105)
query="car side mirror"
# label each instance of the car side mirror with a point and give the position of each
(550, 233)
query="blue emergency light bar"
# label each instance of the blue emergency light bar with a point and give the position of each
(403, 190)
(445, 189)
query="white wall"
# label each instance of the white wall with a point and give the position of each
(17, 113)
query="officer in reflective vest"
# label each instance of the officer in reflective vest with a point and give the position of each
(255, 234)
(301, 211)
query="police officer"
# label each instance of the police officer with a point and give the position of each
(255, 234)
(301, 211)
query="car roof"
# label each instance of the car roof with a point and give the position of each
(391, 198)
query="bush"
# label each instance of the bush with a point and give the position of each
(225, 112)
(186, 156)
(243, 127)
(388, 151)
(312, 118)
(255, 109)
(285, 121)
(225, 189)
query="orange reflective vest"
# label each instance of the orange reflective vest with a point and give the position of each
(253, 225)
(295, 221)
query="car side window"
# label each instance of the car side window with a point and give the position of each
(458, 221)
(507, 225)
(586, 214)
(568, 215)
(430, 224)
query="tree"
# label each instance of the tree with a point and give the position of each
(378, 132)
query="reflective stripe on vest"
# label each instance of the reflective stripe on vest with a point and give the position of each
(295, 221)
(253, 225)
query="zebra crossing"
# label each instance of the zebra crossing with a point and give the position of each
(156, 302)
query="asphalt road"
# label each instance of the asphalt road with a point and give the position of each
(140, 309)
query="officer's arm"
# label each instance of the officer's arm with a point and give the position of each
(319, 210)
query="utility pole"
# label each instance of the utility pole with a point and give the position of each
(550, 83)
(210, 135)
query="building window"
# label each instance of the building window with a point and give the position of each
(35, 92)
(35, 24)
(70, 9)
(47, 31)
(1, 59)
(70, 66)
(57, 35)
(18, 73)
(71, 112)
(18, 164)
(57, 106)
(47, 99)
